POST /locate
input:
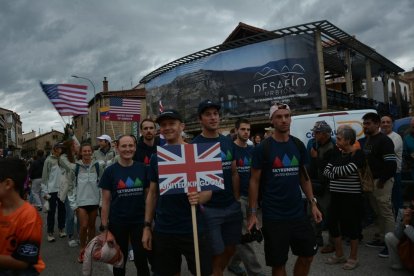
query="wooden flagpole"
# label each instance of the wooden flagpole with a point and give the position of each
(113, 131)
(195, 236)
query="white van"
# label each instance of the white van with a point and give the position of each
(302, 124)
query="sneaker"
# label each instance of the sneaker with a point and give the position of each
(50, 237)
(131, 255)
(236, 269)
(72, 243)
(375, 244)
(62, 233)
(384, 253)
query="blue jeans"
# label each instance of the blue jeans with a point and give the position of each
(54, 202)
(70, 220)
(396, 198)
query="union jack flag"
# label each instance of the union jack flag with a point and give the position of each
(189, 168)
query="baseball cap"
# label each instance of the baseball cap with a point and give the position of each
(105, 137)
(276, 107)
(206, 104)
(322, 126)
(170, 114)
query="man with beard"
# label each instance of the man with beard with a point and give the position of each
(379, 151)
(285, 222)
(243, 154)
(147, 143)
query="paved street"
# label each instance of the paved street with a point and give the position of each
(60, 260)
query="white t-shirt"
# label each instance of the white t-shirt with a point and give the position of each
(398, 148)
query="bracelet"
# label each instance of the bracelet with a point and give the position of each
(103, 227)
(253, 210)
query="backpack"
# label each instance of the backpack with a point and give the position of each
(96, 165)
(267, 163)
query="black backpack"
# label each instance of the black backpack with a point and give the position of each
(267, 163)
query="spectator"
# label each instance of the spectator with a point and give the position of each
(285, 223)
(35, 173)
(404, 227)
(104, 154)
(51, 179)
(322, 150)
(386, 128)
(346, 201)
(147, 143)
(379, 151)
(257, 139)
(408, 148)
(21, 225)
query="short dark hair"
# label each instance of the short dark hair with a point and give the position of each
(374, 117)
(146, 120)
(40, 153)
(15, 169)
(241, 121)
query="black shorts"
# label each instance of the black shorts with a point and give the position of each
(89, 208)
(167, 251)
(280, 235)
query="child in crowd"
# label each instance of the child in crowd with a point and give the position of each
(20, 223)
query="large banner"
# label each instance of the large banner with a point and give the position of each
(245, 81)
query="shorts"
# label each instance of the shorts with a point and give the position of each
(89, 208)
(167, 251)
(280, 235)
(224, 226)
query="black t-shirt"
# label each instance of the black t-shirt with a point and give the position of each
(127, 186)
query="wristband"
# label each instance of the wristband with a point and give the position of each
(253, 210)
(103, 227)
(147, 224)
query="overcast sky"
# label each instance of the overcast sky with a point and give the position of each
(125, 40)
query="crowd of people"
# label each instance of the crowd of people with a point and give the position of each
(276, 188)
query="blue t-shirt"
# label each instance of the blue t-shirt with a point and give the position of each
(222, 198)
(281, 194)
(243, 156)
(127, 186)
(173, 211)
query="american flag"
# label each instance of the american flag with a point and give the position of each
(124, 106)
(68, 99)
(189, 167)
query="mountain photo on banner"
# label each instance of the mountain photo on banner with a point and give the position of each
(68, 99)
(124, 109)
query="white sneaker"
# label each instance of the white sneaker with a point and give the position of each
(131, 255)
(73, 243)
(50, 237)
(62, 233)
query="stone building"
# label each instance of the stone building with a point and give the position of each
(88, 127)
(42, 142)
(12, 129)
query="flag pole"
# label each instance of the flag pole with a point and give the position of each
(195, 237)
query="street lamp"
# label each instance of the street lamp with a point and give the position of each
(94, 96)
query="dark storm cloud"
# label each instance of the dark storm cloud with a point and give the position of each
(125, 40)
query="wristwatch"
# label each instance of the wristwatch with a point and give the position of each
(147, 224)
(314, 200)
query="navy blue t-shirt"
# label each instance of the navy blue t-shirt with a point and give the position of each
(173, 211)
(222, 198)
(281, 195)
(127, 186)
(243, 156)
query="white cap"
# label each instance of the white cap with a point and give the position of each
(276, 107)
(105, 137)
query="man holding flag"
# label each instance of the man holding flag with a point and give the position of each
(173, 230)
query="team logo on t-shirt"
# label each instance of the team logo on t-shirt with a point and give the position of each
(285, 166)
(226, 160)
(146, 160)
(129, 183)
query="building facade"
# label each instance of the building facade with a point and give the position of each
(12, 131)
(42, 142)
